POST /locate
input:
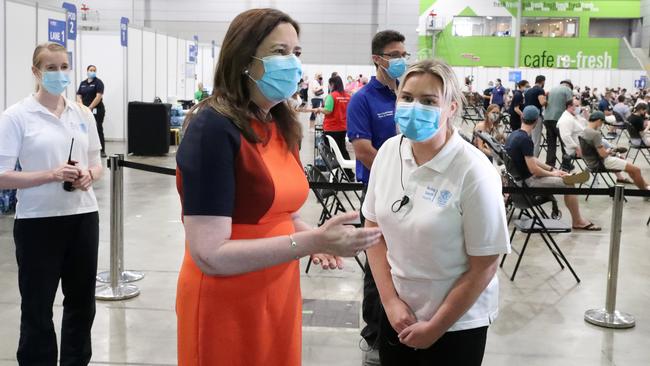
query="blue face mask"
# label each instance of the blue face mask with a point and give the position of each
(281, 77)
(416, 121)
(55, 82)
(396, 67)
(92, 74)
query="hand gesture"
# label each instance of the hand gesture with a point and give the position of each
(327, 261)
(84, 182)
(418, 336)
(343, 240)
(66, 173)
(399, 314)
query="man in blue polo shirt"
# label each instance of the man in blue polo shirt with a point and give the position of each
(371, 121)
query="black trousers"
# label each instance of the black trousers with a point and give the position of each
(464, 347)
(48, 250)
(552, 135)
(99, 119)
(315, 103)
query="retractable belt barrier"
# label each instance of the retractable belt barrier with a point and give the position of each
(119, 288)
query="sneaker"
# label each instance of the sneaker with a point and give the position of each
(579, 178)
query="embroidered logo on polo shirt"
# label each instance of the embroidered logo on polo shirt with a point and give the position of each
(444, 197)
(430, 193)
(385, 114)
(83, 127)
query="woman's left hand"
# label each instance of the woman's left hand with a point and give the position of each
(419, 335)
(84, 182)
(327, 261)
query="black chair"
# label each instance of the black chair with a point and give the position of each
(595, 165)
(337, 173)
(329, 201)
(572, 160)
(536, 222)
(636, 143)
(148, 128)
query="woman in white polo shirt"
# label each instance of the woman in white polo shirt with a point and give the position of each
(438, 202)
(56, 230)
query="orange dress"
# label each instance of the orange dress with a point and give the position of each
(254, 318)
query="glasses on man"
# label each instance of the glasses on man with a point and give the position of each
(394, 55)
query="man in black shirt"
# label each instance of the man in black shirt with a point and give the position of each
(639, 122)
(535, 173)
(487, 94)
(536, 96)
(517, 105)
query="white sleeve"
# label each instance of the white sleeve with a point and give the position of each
(7, 163)
(566, 132)
(11, 135)
(369, 209)
(94, 146)
(484, 216)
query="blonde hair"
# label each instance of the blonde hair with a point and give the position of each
(451, 91)
(38, 54)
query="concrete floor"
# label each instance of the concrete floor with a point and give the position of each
(541, 313)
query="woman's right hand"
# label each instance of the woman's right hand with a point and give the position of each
(338, 238)
(66, 173)
(399, 314)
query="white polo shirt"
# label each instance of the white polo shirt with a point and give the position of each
(455, 210)
(41, 141)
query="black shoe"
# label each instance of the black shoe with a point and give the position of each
(103, 154)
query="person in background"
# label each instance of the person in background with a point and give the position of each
(606, 101)
(492, 115)
(593, 136)
(56, 231)
(487, 94)
(351, 86)
(316, 96)
(371, 121)
(91, 94)
(622, 108)
(640, 122)
(241, 184)
(535, 173)
(517, 104)
(444, 226)
(555, 106)
(536, 96)
(498, 94)
(200, 92)
(467, 87)
(304, 89)
(335, 121)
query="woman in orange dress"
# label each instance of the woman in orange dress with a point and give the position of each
(241, 184)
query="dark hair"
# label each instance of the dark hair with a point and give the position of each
(540, 79)
(337, 84)
(569, 103)
(522, 83)
(641, 107)
(89, 66)
(527, 122)
(383, 39)
(621, 98)
(230, 96)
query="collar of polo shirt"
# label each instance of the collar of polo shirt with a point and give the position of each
(33, 105)
(442, 160)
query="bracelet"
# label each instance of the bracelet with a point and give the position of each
(294, 246)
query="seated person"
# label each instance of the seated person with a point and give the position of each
(492, 116)
(622, 108)
(639, 121)
(593, 137)
(535, 173)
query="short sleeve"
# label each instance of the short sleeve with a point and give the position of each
(11, 135)
(94, 145)
(329, 103)
(484, 216)
(527, 147)
(368, 209)
(597, 139)
(358, 119)
(79, 88)
(206, 161)
(100, 87)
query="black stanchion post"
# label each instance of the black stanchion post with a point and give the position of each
(116, 289)
(609, 317)
(125, 276)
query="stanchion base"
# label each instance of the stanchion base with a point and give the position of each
(616, 320)
(126, 277)
(121, 292)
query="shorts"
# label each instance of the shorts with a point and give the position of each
(545, 182)
(612, 163)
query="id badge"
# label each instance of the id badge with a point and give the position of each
(94, 110)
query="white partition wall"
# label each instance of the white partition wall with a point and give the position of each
(172, 66)
(135, 64)
(3, 83)
(19, 80)
(182, 66)
(207, 67)
(148, 66)
(162, 73)
(103, 50)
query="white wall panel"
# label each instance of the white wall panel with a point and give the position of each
(149, 66)
(21, 40)
(103, 50)
(42, 27)
(172, 66)
(181, 57)
(161, 66)
(135, 64)
(190, 80)
(3, 84)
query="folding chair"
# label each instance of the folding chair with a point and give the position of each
(535, 223)
(575, 160)
(337, 173)
(595, 165)
(636, 143)
(329, 201)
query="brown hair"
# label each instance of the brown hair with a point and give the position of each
(231, 96)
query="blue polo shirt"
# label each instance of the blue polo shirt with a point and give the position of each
(371, 116)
